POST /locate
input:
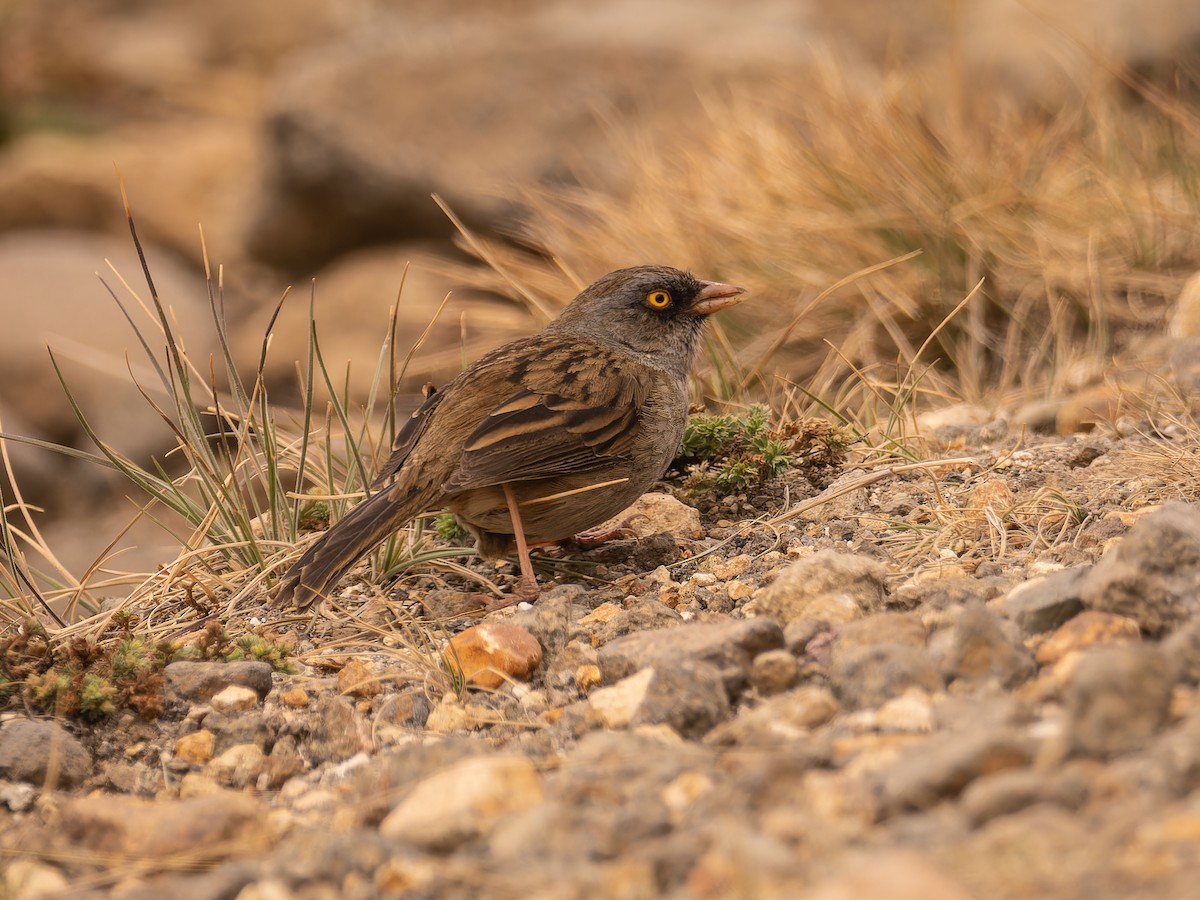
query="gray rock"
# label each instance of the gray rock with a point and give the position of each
(1042, 604)
(977, 648)
(1005, 792)
(630, 771)
(774, 671)
(1118, 698)
(881, 628)
(564, 667)
(874, 659)
(1182, 649)
(237, 767)
(855, 580)
(1175, 754)
(464, 801)
(446, 604)
(689, 697)
(338, 731)
(18, 797)
(42, 753)
(943, 767)
(1153, 575)
(231, 729)
(192, 682)
(655, 550)
(642, 614)
(163, 828)
(225, 879)
(408, 708)
(554, 619)
(331, 855)
(343, 151)
(799, 634)
(785, 718)
(731, 646)
(892, 874)
(132, 778)
(374, 788)
(866, 677)
(753, 861)
(283, 763)
(944, 593)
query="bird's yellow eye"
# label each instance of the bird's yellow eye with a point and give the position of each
(658, 299)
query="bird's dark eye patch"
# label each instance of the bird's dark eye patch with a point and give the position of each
(658, 299)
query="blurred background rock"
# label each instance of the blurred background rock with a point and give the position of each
(307, 139)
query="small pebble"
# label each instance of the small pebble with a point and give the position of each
(774, 671)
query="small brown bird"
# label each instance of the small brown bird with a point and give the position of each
(544, 437)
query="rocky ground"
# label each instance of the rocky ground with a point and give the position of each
(968, 679)
(967, 671)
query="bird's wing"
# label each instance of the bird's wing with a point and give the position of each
(572, 411)
(407, 437)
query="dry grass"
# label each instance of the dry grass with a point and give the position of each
(1077, 227)
(256, 478)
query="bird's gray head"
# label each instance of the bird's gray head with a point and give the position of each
(654, 311)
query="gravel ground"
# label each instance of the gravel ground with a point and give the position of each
(975, 679)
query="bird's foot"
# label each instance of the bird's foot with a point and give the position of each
(594, 537)
(527, 588)
(523, 592)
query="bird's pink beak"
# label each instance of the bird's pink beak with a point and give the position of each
(715, 296)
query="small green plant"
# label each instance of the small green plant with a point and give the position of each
(26, 651)
(94, 679)
(54, 690)
(257, 647)
(728, 453)
(97, 697)
(66, 691)
(448, 528)
(215, 643)
(133, 656)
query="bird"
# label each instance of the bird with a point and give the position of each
(544, 437)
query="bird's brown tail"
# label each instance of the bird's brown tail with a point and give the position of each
(326, 561)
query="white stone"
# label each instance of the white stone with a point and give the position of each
(617, 704)
(464, 800)
(234, 698)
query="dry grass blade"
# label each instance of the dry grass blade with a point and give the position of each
(858, 481)
(786, 333)
(16, 580)
(21, 593)
(480, 249)
(242, 481)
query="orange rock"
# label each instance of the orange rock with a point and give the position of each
(993, 492)
(196, 748)
(295, 697)
(357, 680)
(1085, 630)
(487, 655)
(587, 677)
(603, 613)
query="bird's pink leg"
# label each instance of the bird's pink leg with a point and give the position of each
(527, 587)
